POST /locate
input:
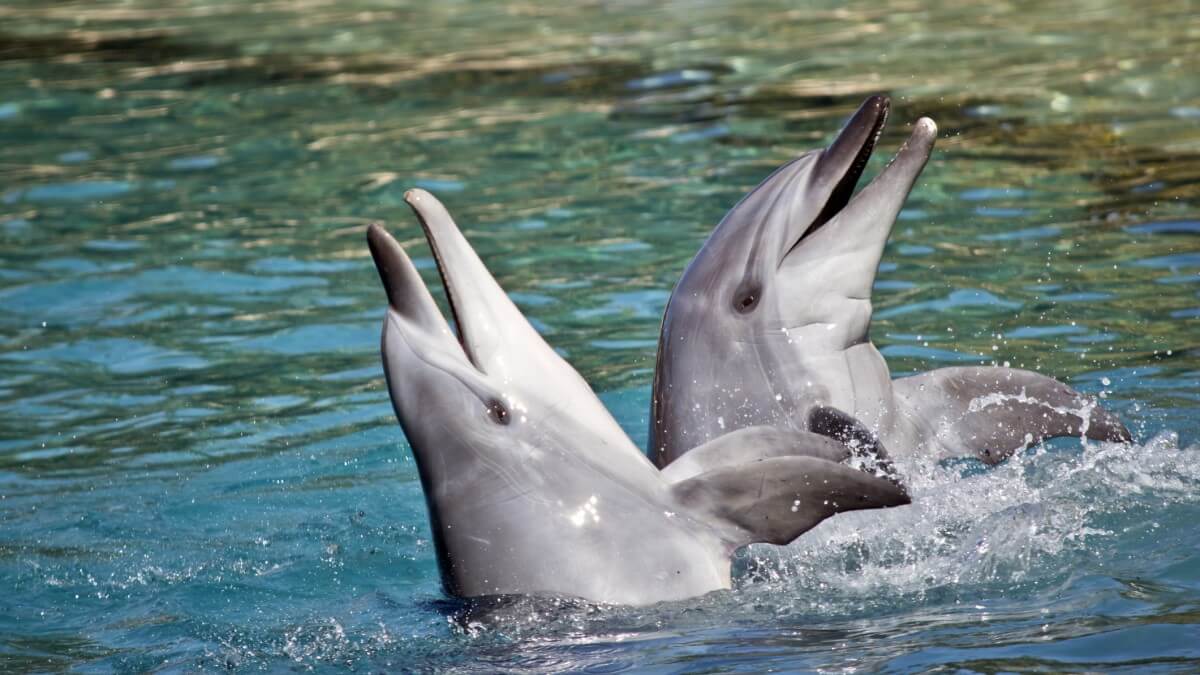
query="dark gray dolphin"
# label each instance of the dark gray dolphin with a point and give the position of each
(533, 488)
(771, 320)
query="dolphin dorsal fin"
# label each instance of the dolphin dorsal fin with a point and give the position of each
(776, 500)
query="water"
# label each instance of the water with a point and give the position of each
(199, 469)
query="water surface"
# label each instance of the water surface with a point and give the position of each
(199, 469)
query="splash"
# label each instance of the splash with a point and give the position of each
(1031, 521)
(1084, 412)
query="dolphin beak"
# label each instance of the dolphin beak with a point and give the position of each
(846, 158)
(477, 302)
(801, 196)
(406, 292)
(868, 217)
(490, 327)
(856, 232)
(842, 164)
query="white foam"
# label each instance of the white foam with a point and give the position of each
(1028, 519)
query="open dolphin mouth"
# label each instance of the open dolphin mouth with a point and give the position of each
(415, 319)
(448, 280)
(406, 291)
(479, 308)
(857, 140)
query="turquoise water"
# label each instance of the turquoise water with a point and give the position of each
(199, 468)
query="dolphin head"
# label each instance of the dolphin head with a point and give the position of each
(512, 446)
(781, 287)
(494, 371)
(802, 236)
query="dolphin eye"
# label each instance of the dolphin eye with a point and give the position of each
(746, 300)
(498, 412)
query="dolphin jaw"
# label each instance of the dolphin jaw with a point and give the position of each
(867, 124)
(864, 221)
(414, 198)
(414, 328)
(797, 199)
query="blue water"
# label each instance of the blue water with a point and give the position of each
(199, 468)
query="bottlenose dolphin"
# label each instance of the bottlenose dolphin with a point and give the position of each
(533, 488)
(771, 319)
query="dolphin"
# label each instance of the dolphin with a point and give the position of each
(532, 488)
(770, 320)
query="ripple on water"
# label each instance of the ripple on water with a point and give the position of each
(74, 156)
(87, 298)
(315, 339)
(1043, 331)
(88, 190)
(642, 304)
(194, 163)
(436, 185)
(113, 245)
(526, 299)
(1026, 234)
(273, 265)
(893, 285)
(1166, 227)
(931, 354)
(1081, 296)
(621, 246)
(123, 356)
(209, 282)
(966, 297)
(1180, 279)
(624, 344)
(671, 79)
(1171, 262)
(992, 194)
(1001, 212)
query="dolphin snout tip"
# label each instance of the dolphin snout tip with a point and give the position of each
(375, 235)
(415, 195)
(926, 126)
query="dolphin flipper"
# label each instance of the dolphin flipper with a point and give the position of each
(776, 500)
(750, 444)
(991, 412)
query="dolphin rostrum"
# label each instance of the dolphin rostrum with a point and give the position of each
(533, 488)
(770, 320)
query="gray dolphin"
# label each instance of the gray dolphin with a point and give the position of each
(770, 320)
(533, 488)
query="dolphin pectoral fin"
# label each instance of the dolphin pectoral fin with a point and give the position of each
(992, 412)
(750, 444)
(776, 500)
(847, 429)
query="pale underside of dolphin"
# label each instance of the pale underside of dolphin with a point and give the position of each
(533, 488)
(771, 318)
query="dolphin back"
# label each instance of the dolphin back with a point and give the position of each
(991, 412)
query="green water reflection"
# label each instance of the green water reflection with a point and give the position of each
(184, 186)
